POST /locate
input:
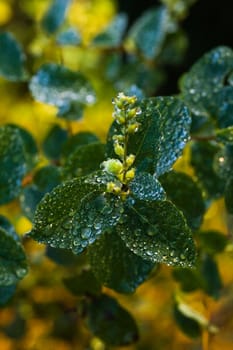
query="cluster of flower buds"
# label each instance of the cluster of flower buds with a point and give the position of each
(126, 111)
(125, 114)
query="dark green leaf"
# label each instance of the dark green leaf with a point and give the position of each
(72, 111)
(58, 86)
(212, 242)
(115, 266)
(148, 33)
(189, 326)
(223, 162)
(55, 15)
(47, 178)
(30, 197)
(98, 213)
(161, 137)
(74, 214)
(17, 327)
(205, 88)
(64, 257)
(186, 195)
(11, 58)
(213, 283)
(174, 49)
(225, 135)
(189, 279)
(110, 322)
(202, 159)
(229, 196)
(29, 144)
(69, 36)
(137, 73)
(157, 231)
(13, 265)
(8, 227)
(12, 163)
(6, 293)
(84, 160)
(77, 140)
(112, 35)
(146, 187)
(54, 141)
(83, 284)
(54, 222)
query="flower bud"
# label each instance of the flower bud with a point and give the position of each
(130, 174)
(113, 188)
(130, 160)
(132, 128)
(119, 150)
(113, 166)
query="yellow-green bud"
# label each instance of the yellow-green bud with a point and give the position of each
(130, 174)
(132, 113)
(119, 150)
(113, 166)
(119, 138)
(130, 160)
(113, 188)
(132, 128)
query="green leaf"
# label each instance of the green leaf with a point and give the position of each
(225, 135)
(146, 187)
(58, 86)
(55, 16)
(63, 257)
(80, 139)
(83, 284)
(29, 198)
(97, 214)
(110, 322)
(212, 242)
(161, 137)
(6, 293)
(8, 227)
(12, 163)
(229, 196)
(189, 326)
(84, 160)
(148, 33)
(54, 222)
(12, 58)
(213, 282)
(184, 192)
(69, 36)
(29, 144)
(115, 266)
(13, 265)
(189, 279)
(111, 37)
(203, 154)
(137, 73)
(54, 142)
(174, 49)
(74, 214)
(206, 88)
(47, 177)
(223, 162)
(157, 231)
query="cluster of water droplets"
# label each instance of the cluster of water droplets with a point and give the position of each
(146, 187)
(96, 216)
